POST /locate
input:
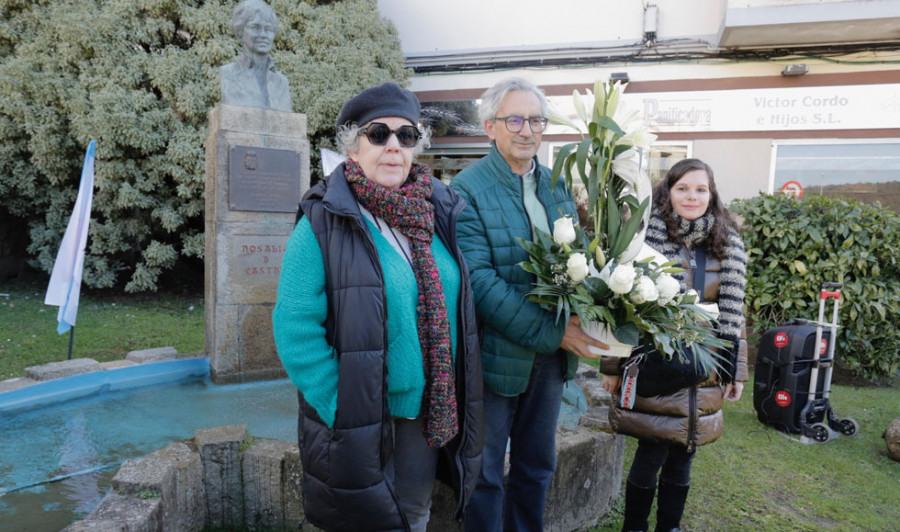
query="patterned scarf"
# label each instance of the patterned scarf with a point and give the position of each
(733, 277)
(408, 210)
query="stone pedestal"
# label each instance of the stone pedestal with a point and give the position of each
(257, 167)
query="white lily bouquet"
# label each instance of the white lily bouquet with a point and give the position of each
(619, 287)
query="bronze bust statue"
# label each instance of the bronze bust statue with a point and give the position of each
(252, 80)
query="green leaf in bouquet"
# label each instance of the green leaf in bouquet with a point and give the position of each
(560, 160)
(664, 344)
(627, 333)
(613, 222)
(628, 230)
(608, 123)
(531, 268)
(582, 158)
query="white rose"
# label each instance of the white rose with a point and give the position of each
(621, 279)
(577, 267)
(668, 288)
(563, 231)
(645, 291)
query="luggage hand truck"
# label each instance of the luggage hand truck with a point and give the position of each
(817, 421)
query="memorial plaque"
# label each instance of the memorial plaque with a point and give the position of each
(263, 179)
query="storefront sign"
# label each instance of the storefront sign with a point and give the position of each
(801, 108)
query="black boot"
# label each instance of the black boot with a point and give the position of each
(670, 506)
(637, 507)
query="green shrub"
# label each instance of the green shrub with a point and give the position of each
(797, 244)
(139, 76)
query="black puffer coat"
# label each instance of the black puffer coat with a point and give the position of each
(691, 416)
(344, 483)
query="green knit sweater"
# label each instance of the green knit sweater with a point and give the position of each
(299, 317)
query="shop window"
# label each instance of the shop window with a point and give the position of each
(455, 118)
(445, 163)
(867, 170)
(663, 156)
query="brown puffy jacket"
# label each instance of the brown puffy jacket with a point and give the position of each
(691, 416)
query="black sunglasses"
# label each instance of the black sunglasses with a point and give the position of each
(379, 134)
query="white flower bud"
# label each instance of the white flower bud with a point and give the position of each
(668, 288)
(645, 291)
(622, 279)
(577, 267)
(563, 231)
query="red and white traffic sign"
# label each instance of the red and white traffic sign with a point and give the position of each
(793, 188)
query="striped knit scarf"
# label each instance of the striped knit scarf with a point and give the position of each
(733, 276)
(408, 210)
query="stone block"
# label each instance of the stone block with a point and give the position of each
(158, 354)
(596, 417)
(263, 470)
(589, 379)
(259, 342)
(14, 384)
(891, 437)
(122, 513)
(90, 525)
(63, 368)
(292, 488)
(258, 120)
(223, 340)
(117, 364)
(175, 475)
(220, 450)
(588, 477)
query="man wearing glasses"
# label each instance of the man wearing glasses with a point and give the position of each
(527, 352)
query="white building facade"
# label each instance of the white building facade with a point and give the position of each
(801, 96)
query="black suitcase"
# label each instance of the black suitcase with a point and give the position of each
(783, 366)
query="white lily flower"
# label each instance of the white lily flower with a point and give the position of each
(556, 117)
(613, 102)
(640, 138)
(579, 106)
(599, 97)
(627, 166)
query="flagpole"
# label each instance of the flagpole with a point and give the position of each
(71, 339)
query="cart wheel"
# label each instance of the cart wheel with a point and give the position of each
(821, 433)
(848, 427)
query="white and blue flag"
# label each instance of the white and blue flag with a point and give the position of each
(65, 281)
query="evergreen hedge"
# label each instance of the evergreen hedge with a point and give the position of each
(139, 76)
(795, 245)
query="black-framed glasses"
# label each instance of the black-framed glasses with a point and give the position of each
(379, 134)
(514, 123)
